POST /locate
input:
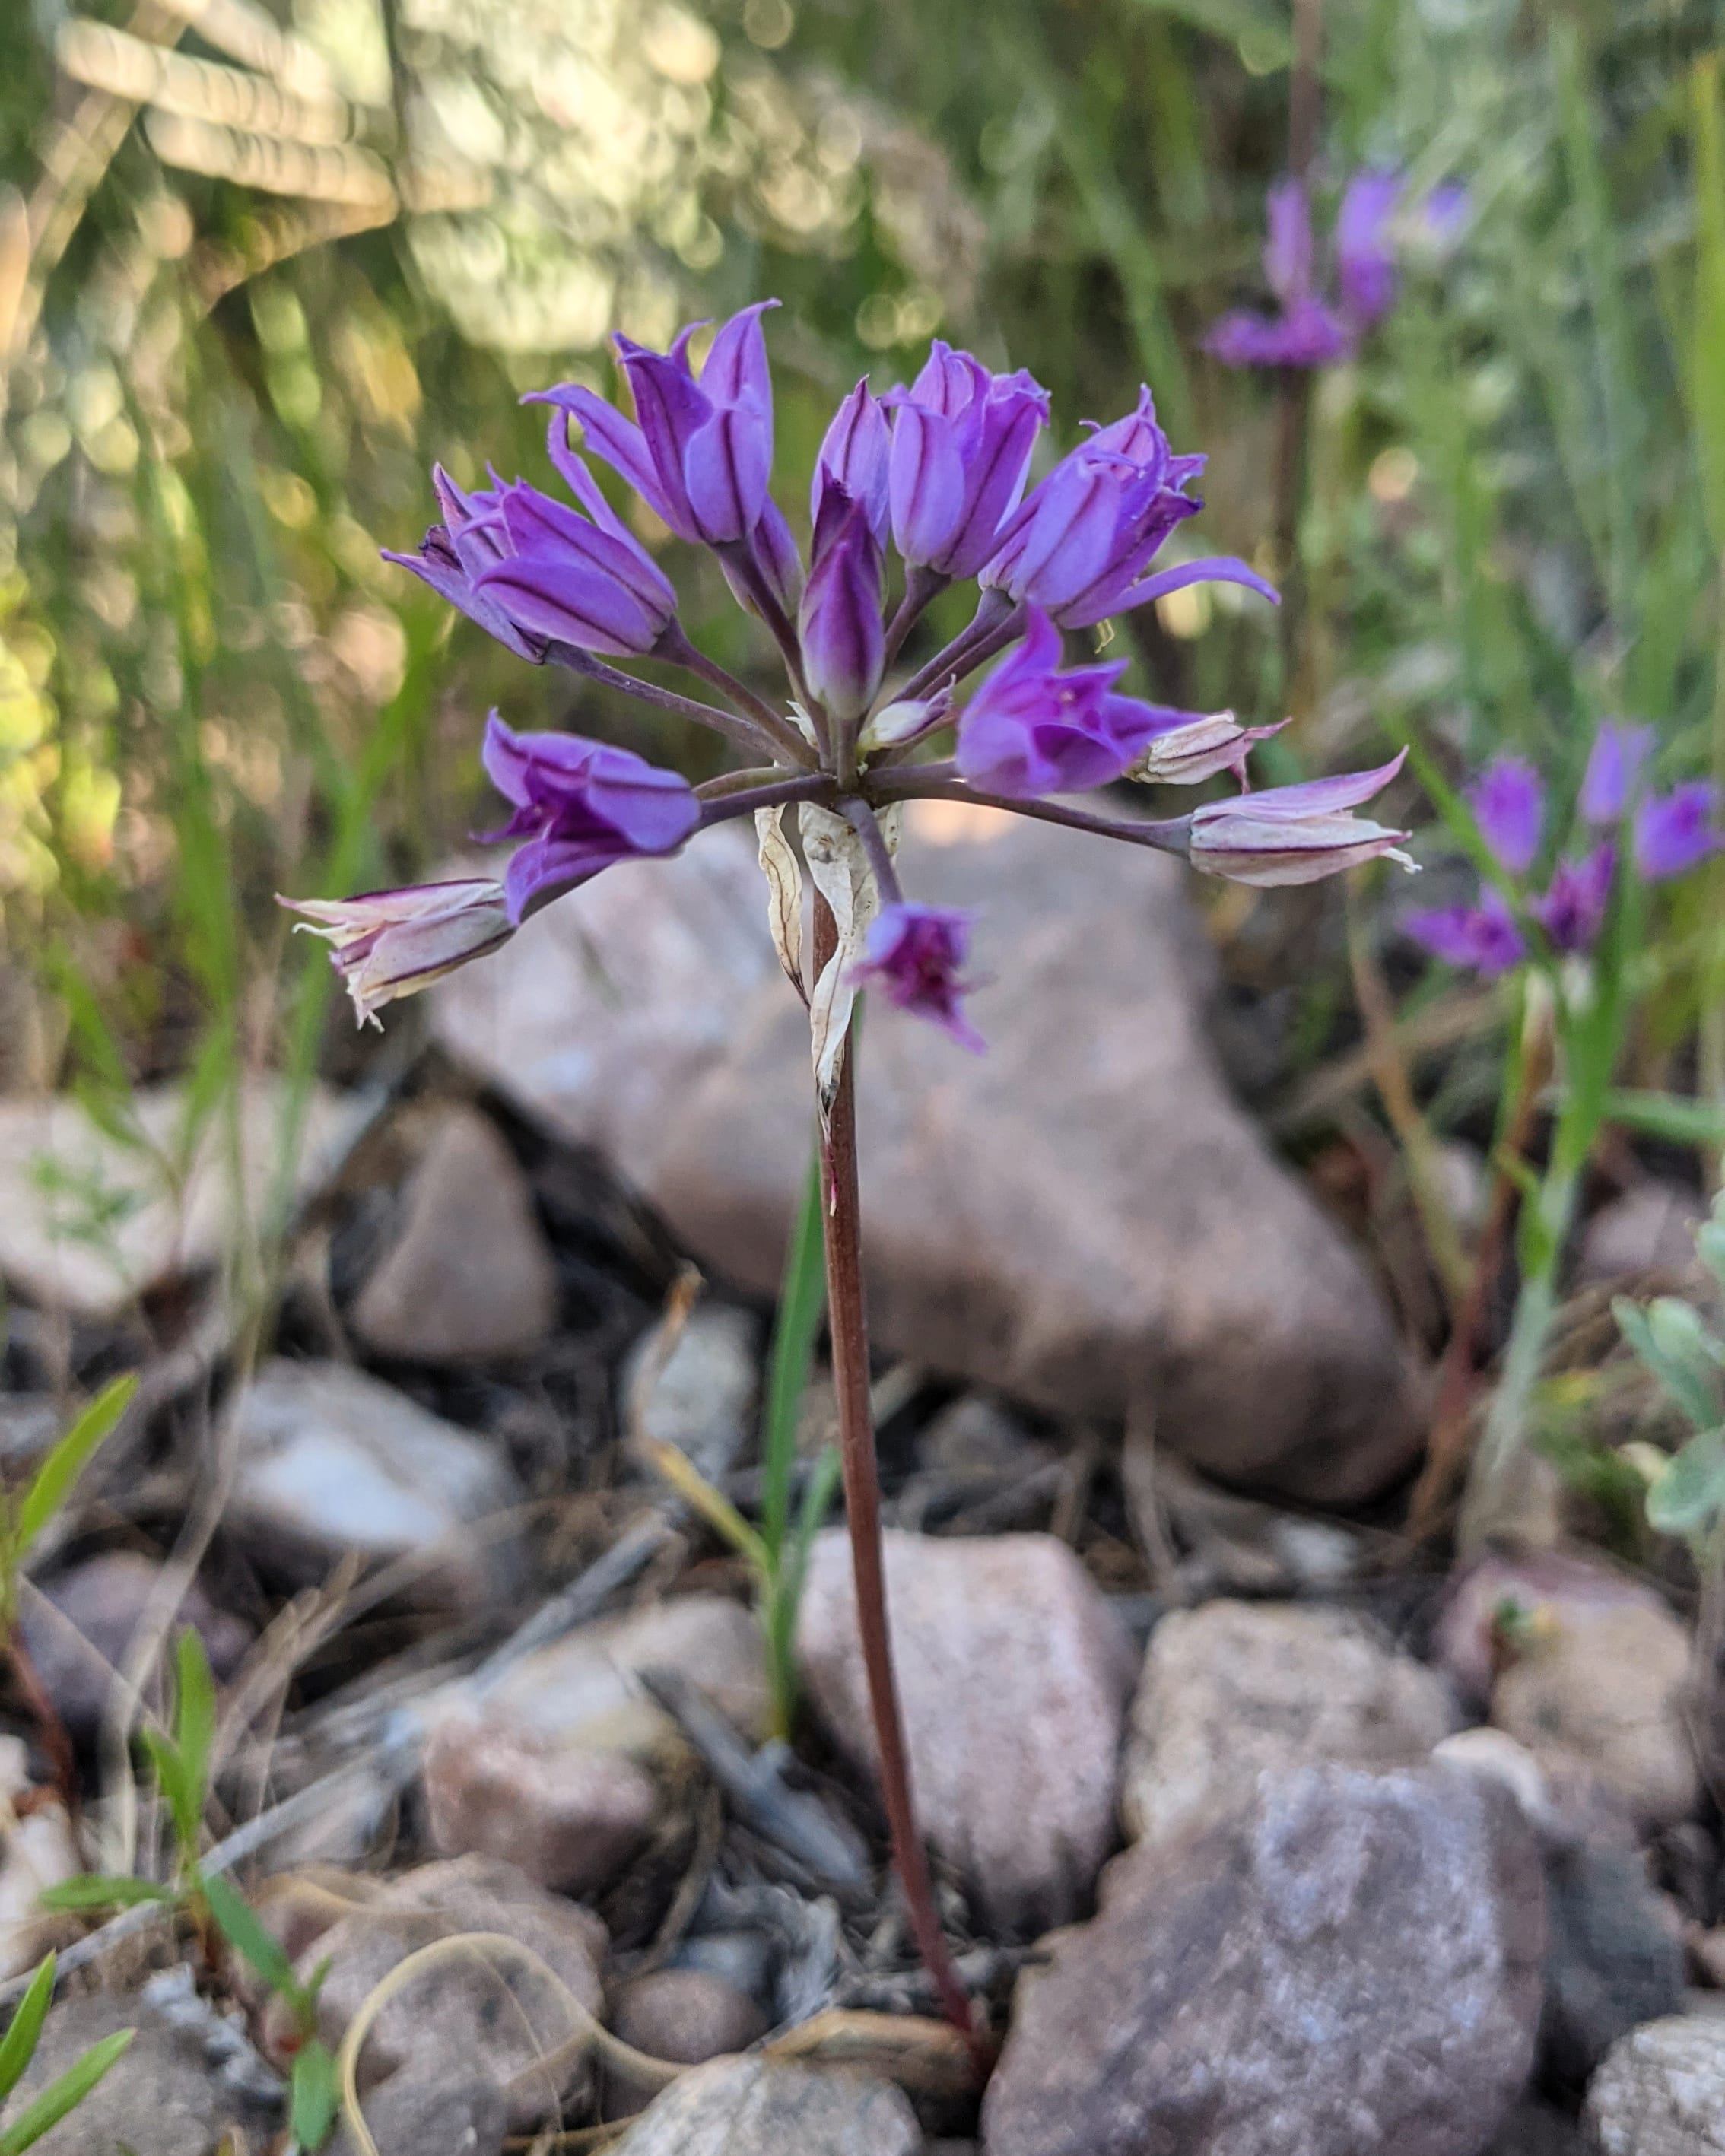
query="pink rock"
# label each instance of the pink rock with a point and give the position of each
(1506, 1591)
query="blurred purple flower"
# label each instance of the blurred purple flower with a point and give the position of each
(454, 554)
(962, 439)
(1614, 765)
(1572, 910)
(1081, 545)
(1483, 938)
(1292, 834)
(1675, 832)
(580, 805)
(916, 953)
(698, 452)
(387, 944)
(1365, 252)
(1508, 803)
(1444, 214)
(1031, 729)
(843, 639)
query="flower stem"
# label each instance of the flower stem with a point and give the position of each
(921, 586)
(916, 784)
(743, 732)
(676, 648)
(994, 622)
(848, 1321)
(860, 818)
(744, 800)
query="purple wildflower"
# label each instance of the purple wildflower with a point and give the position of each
(1291, 834)
(1365, 255)
(1508, 804)
(454, 554)
(580, 805)
(387, 944)
(1031, 729)
(843, 639)
(962, 439)
(1614, 765)
(916, 953)
(854, 457)
(1675, 832)
(1572, 910)
(1483, 938)
(583, 580)
(1082, 544)
(1304, 332)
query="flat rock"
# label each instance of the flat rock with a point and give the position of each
(567, 1816)
(1608, 1685)
(85, 1632)
(1081, 1217)
(1349, 1965)
(329, 1460)
(470, 1277)
(1614, 1958)
(1013, 1672)
(753, 2107)
(1661, 2091)
(55, 1164)
(1233, 1688)
(684, 2016)
(701, 1396)
(489, 2013)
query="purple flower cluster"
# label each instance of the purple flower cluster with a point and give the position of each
(1309, 329)
(1670, 833)
(938, 474)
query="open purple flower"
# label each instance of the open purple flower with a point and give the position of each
(454, 555)
(1081, 546)
(962, 439)
(580, 805)
(1292, 834)
(916, 954)
(387, 944)
(1613, 769)
(1677, 831)
(1482, 939)
(1508, 804)
(1031, 729)
(1572, 910)
(1303, 332)
(698, 452)
(1365, 255)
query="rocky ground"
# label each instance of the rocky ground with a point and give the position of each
(1258, 1827)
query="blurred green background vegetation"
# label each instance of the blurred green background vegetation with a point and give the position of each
(259, 265)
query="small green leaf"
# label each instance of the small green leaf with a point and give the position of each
(313, 2095)
(102, 1890)
(55, 1478)
(1673, 1116)
(194, 1717)
(65, 2095)
(169, 1774)
(1689, 1492)
(247, 1933)
(18, 2045)
(1670, 1341)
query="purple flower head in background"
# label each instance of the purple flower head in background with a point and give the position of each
(962, 439)
(1081, 546)
(1032, 729)
(1613, 770)
(916, 954)
(1508, 804)
(1482, 939)
(1365, 251)
(1677, 831)
(580, 805)
(1572, 910)
(699, 452)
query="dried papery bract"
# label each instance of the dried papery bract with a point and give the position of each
(938, 472)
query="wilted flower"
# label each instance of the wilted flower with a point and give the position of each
(915, 954)
(962, 439)
(1032, 729)
(1675, 832)
(1289, 834)
(387, 944)
(1081, 545)
(580, 805)
(1191, 748)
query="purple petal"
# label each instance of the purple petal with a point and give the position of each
(1323, 797)
(1287, 245)
(618, 440)
(1365, 259)
(916, 953)
(854, 455)
(1572, 910)
(1675, 832)
(1613, 767)
(1508, 803)
(926, 482)
(1307, 335)
(843, 640)
(1213, 569)
(727, 464)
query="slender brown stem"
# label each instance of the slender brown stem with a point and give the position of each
(1172, 836)
(675, 646)
(724, 808)
(744, 732)
(847, 1317)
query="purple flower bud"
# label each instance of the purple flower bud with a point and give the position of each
(1289, 834)
(1572, 910)
(455, 553)
(1483, 939)
(915, 952)
(387, 944)
(843, 640)
(1614, 765)
(854, 457)
(698, 453)
(585, 580)
(1306, 334)
(1079, 546)
(1508, 803)
(1675, 832)
(1031, 729)
(1193, 746)
(580, 805)
(1365, 255)
(1287, 240)
(962, 439)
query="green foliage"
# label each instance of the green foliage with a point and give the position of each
(1673, 1342)
(23, 1517)
(63, 2094)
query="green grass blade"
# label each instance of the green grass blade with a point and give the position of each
(55, 1478)
(248, 1934)
(194, 1731)
(18, 2045)
(65, 2095)
(313, 2095)
(802, 1304)
(102, 1890)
